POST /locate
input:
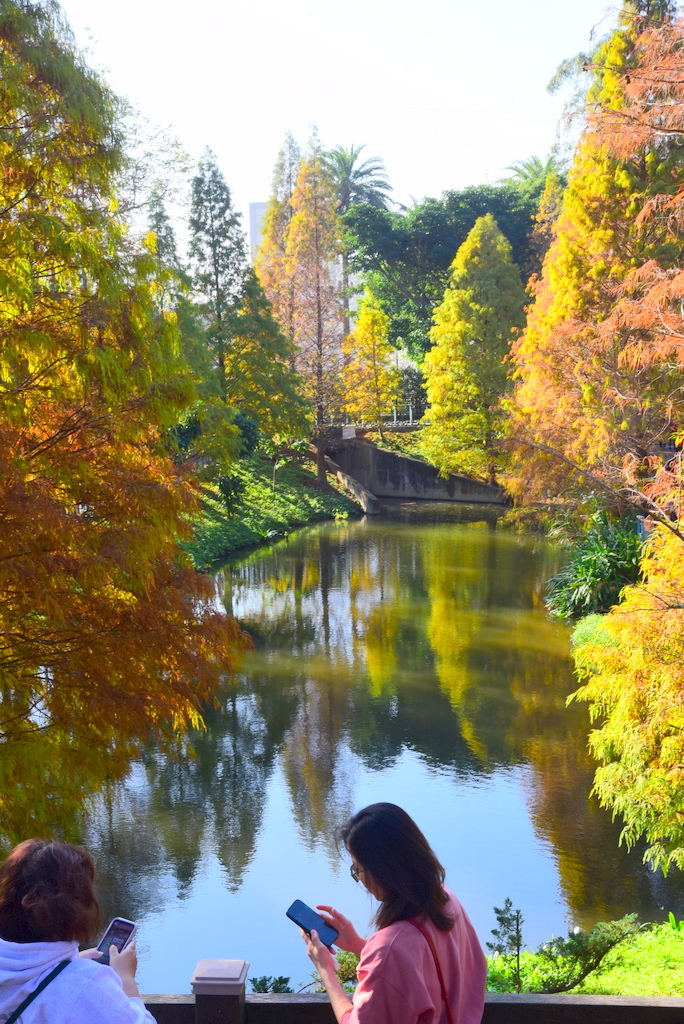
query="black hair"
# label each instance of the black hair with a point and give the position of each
(383, 839)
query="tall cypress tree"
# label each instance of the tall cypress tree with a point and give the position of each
(465, 369)
(271, 266)
(106, 628)
(313, 247)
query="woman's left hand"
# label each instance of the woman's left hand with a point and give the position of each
(320, 955)
(323, 961)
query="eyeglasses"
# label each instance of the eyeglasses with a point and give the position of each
(354, 872)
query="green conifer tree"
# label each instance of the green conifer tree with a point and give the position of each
(260, 380)
(217, 248)
(465, 369)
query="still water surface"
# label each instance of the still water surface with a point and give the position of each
(404, 658)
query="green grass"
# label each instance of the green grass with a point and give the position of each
(261, 513)
(652, 964)
(398, 441)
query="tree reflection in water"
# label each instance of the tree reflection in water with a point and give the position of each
(371, 639)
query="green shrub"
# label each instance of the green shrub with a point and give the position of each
(600, 565)
(265, 983)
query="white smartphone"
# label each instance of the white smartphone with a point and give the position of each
(119, 933)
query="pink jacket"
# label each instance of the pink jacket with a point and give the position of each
(398, 982)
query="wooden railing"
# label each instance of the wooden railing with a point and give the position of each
(232, 1006)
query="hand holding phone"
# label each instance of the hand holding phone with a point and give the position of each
(310, 921)
(119, 933)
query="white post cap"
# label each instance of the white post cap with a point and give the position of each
(219, 977)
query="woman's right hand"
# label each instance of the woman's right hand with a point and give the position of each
(125, 964)
(348, 937)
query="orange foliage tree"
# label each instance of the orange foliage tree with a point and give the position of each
(631, 661)
(106, 629)
(270, 266)
(587, 388)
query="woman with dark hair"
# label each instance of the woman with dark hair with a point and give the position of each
(48, 907)
(424, 963)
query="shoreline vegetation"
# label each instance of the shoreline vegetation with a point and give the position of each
(261, 512)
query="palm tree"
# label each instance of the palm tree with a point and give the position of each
(357, 183)
(533, 172)
(354, 183)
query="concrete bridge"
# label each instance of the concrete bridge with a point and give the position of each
(388, 475)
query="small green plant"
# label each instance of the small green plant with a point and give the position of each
(675, 925)
(604, 562)
(509, 942)
(265, 983)
(346, 971)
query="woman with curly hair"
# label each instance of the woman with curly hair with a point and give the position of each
(48, 907)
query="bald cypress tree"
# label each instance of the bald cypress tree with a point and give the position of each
(579, 392)
(271, 266)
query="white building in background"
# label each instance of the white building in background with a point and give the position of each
(257, 212)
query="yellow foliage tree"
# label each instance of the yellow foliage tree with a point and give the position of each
(465, 370)
(632, 662)
(370, 382)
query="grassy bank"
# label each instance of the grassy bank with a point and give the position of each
(647, 964)
(260, 512)
(652, 964)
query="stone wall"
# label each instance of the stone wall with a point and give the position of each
(387, 475)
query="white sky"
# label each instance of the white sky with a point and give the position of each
(447, 92)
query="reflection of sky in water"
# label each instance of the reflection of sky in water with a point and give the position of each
(412, 663)
(464, 824)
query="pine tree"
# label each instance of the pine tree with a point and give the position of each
(465, 369)
(370, 382)
(217, 248)
(170, 278)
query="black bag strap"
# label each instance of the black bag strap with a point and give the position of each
(36, 992)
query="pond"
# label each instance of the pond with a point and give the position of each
(406, 658)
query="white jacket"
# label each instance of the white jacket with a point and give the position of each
(84, 993)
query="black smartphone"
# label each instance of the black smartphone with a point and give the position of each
(310, 921)
(119, 933)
